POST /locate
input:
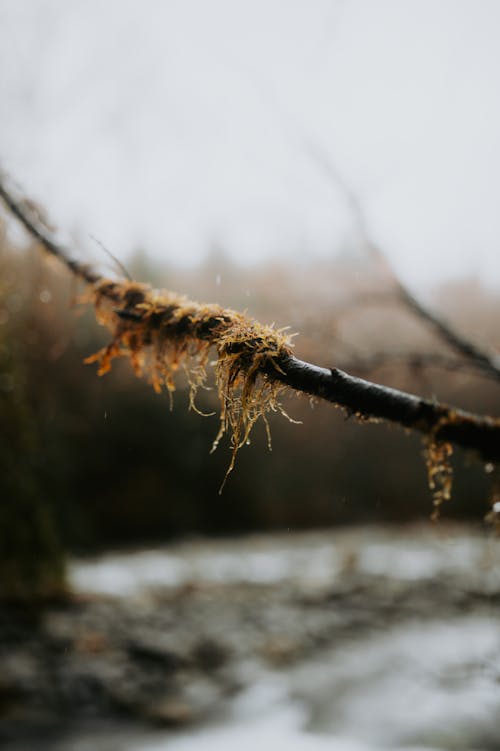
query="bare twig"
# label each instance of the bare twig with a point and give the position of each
(119, 264)
(27, 216)
(135, 313)
(482, 361)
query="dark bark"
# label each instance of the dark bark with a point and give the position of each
(21, 210)
(369, 400)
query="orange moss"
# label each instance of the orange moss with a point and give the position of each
(163, 332)
(439, 473)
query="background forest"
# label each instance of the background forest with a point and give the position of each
(114, 464)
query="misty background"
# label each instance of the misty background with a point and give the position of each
(174, 126)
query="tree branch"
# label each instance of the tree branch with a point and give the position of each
(364, 399)
(367, 400)
(482, 360)
(26, 212)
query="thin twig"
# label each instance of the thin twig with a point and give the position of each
(482, 360)
(119, 264)
(21, 210)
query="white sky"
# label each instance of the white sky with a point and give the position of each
(175, 125)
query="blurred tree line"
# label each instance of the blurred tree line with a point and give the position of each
(96, 462)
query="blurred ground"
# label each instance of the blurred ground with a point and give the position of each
(367, 638)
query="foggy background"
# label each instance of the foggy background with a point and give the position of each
(174, 126)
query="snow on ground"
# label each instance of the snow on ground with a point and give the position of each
(312, 558)
(420, 681)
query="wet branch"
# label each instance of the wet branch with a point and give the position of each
(27, 212)
(367, 400)
(364, 399)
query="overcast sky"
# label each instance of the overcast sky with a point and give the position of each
(179, 125)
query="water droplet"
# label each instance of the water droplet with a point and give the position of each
(488, 468)
(45, 295)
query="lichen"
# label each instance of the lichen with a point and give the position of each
(162, 333)
(439, 473)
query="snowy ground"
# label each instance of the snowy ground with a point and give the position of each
(415, 688)
(353, 640)
(319, 559)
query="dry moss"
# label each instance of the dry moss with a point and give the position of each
(439, 473)
(162, 333)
